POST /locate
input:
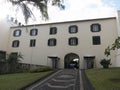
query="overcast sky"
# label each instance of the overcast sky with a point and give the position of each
(75, 10)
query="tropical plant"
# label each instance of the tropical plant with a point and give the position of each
(13, 60)
(42, 5)
(2, 62)
(105, 63)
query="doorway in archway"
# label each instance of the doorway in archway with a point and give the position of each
(71, 60)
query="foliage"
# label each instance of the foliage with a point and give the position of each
(13, 61)
(101, 78)
(10, 63)
(107, 51)
(2, 58)
(115, 45)
(41, 69)
(40, 4)
(105, 63)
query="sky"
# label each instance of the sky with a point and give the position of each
(75, 10)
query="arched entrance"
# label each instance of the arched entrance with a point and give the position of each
(71, 60)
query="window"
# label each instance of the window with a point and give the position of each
(33, 32)
(52, 42)
(73, 41)
(17, 33)
(15, 43)
(32, 42)
(73, 29)
(95, 27)
(96, 40)
(53, 30)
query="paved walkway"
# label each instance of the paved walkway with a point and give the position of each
(66, 79)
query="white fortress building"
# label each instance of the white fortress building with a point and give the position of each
(63, 44)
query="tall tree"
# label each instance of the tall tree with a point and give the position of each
(42, 5)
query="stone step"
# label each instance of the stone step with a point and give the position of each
(61, 83)
(63, 80)
(51, 87)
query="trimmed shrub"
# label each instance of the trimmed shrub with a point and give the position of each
(105, 63)
(41, 69)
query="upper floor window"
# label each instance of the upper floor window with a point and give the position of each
(15, 43)
(17, 33)
(52, 42)
(96, 40)
(73, 29)
(73, 41)
(33, 32)
(53, 30)
(32, 43)
(96, 27)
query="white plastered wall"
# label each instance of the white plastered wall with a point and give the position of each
(118, 29)
(38, 55)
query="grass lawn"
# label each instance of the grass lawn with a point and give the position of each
(104, 79)
(16, 81)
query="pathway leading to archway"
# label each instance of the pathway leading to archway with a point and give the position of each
(66, 79)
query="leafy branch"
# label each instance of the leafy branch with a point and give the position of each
(115, 45)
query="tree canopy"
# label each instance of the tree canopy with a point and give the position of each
(42, 5)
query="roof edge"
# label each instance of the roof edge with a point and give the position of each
(63, 22)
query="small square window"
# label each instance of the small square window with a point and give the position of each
(32, 43)
(53, 30)
(95, 27)
(73, 29)
(96, 40)
(17, 33)
(33, 32)
(15, 43)
(52, 42)
(73, 41)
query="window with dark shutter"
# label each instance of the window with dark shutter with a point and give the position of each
(73, 41)
(52, 42)
(73, 29)
(53, 30)
(32, 43)
(17, 33)
(95, 27)
(33, 32)
(96, 40)
(15, 43)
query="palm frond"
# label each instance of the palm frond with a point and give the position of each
(40, 4)
(58, 3)
(26, 12)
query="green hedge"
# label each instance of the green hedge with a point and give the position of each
(41, 69)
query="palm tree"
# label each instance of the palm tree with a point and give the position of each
(2, 61)
(40, 4)
(13, 60)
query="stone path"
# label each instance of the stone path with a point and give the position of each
(66, 79)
